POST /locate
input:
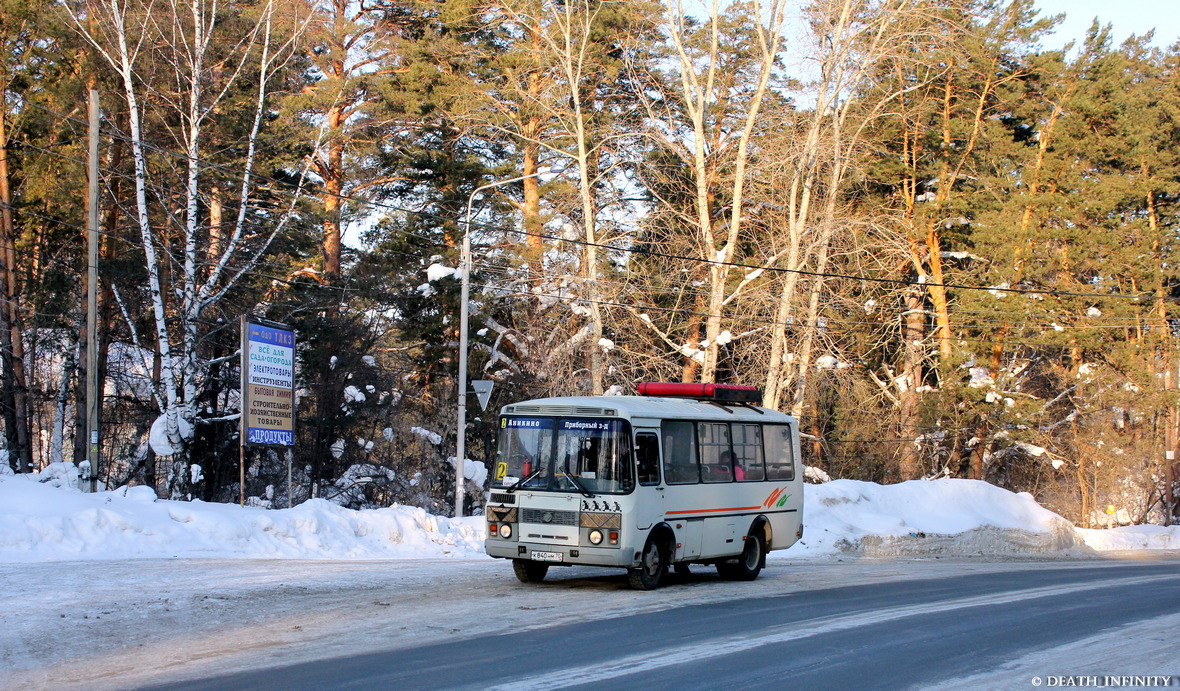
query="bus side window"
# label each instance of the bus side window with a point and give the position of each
(747, 448)
(621, 462)
(647, 458)
(680, 453)
(780, 457)
(716, 456)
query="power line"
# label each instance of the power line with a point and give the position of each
(664, 255)
(828, 318)
(752, 319)
(797, 324)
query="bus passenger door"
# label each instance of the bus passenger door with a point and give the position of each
(649, 495)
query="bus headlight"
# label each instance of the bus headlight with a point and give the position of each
(505, 531)
(596, 537)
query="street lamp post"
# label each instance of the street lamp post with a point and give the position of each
(464, 295)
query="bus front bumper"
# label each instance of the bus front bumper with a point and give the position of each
(558, 554)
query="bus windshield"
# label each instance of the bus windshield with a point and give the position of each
(544, 453)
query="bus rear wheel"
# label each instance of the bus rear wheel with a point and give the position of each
(529, 571)
(653, 563)
(748, 564)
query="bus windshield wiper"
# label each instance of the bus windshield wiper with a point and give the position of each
(574, 480)
(525, 479)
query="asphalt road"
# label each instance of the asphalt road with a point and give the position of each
(902, 633)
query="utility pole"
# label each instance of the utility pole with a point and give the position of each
(1169, 483)
(464, 316)
(1170, 476)
(1172, 424)
(92, 394)
(1171, 415)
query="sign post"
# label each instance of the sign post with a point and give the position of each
(268, 390)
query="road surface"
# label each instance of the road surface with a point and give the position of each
(469, 624)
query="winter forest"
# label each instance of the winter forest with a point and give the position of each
(948, 250)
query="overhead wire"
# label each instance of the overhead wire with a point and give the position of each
(474, 225)
(798, 324)
(648, 252)
(1009, 321)
(979, 324)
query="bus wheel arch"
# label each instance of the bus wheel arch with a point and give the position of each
(653, 560)
(752, 559)
(761, 526)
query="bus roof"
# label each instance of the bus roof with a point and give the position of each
(644, 407)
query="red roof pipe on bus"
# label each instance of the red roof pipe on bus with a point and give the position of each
(733, 393)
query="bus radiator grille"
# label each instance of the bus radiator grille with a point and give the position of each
(549, 517)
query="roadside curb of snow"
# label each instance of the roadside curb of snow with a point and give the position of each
(986, 541)
(1132, 537)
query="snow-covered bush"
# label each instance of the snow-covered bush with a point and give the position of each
(63, 475)
(814, 475)
(363, 486)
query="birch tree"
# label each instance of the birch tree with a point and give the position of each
(849, 40)
(189, 39)
(721, 72)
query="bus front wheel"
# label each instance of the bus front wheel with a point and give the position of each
(653, 563)
(529, 571)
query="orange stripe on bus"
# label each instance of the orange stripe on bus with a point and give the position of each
(735, 508)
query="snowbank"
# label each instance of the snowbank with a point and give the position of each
(48, 520)
(1133, 537)
(39, 522)
(953, 517)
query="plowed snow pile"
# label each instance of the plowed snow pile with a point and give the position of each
(50, 521)
(1133, 537)
(40, 522)
(948, 517)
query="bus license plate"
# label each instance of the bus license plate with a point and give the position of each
(547, 556)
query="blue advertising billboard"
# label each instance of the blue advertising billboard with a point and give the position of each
(268, 384)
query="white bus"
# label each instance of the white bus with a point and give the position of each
(680, 474)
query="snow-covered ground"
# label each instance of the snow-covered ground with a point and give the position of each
(119, 589)
(50, 521)
(39, 522)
